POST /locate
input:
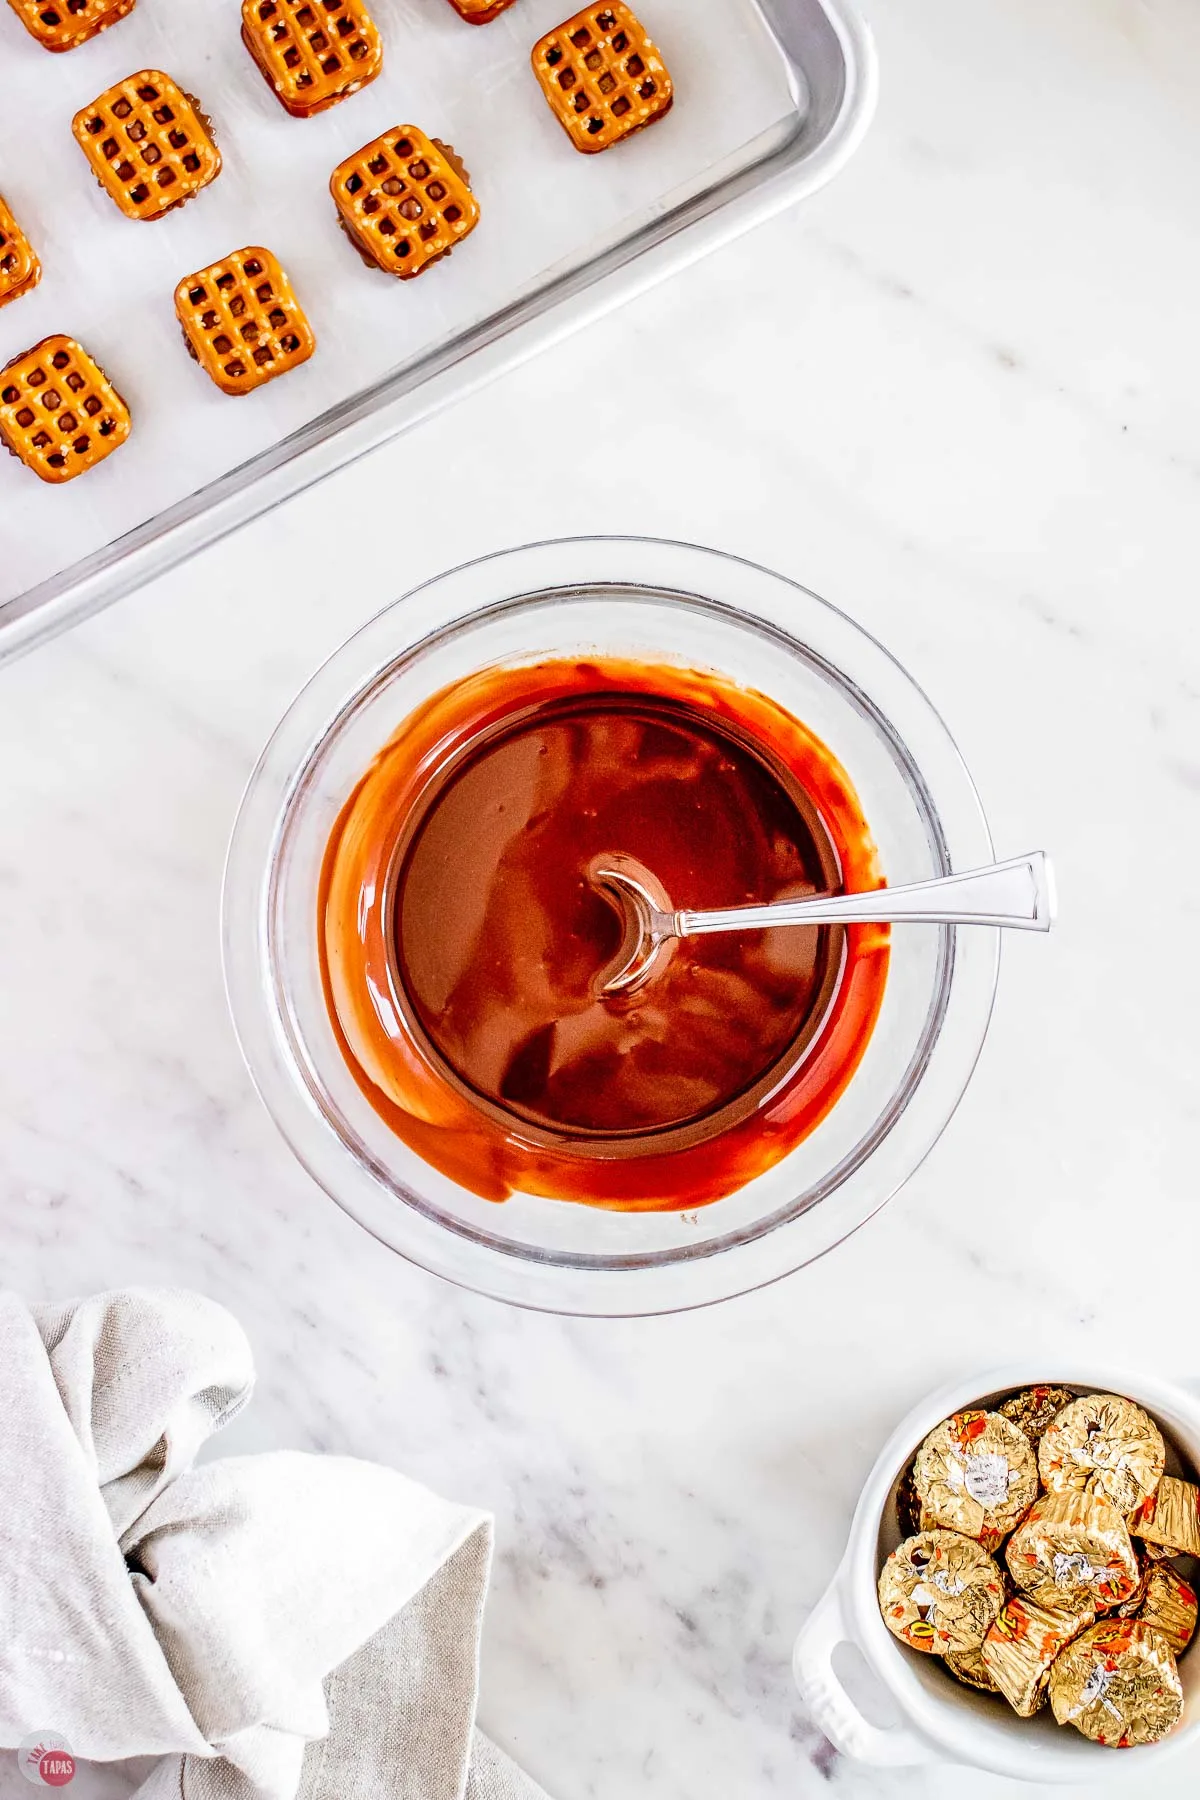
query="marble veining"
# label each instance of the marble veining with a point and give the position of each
(956, 394)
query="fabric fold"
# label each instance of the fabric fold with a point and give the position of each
(275, 1627)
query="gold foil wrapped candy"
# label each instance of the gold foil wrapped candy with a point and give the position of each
(908, 1503)
(940, 1592)
(976, 1473)
(1166, 1602)
(910, 1514)
(1061, 1482)
(1020, 1649)
(1170, 1517)
(1169, 1607)
(1118, 1684)
(969, 1667)
(1035, 1408)
(1130, 1608)
(1073, 1549)
(1103, 1444)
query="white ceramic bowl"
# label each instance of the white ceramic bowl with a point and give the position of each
(935, 1720)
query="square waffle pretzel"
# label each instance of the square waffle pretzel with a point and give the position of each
(20, 269)
(59, 412)
(149, 144)
(404, 201)
(313, 53)
(603, 76)
(64, 24)
(480, 12)
(241, 321)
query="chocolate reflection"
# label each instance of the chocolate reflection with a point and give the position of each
(501, 934)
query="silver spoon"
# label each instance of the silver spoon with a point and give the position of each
(1018, 894)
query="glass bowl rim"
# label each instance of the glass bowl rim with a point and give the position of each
(447, 605)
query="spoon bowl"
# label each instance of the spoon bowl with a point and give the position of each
(1017, 895)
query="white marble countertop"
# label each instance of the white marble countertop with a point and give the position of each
(957, 395)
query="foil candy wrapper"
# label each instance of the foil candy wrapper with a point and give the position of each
(908, 1502)
(1034, 1409)
(910, 1514)
(1169, 1606)
(969, 1667)
(1117, 1683)
(1073, 1549)
(1103, 1444)
(1129, 1609)
(940, 1592)
(1170, 1517)
(1021, 1648)
(975, 1473)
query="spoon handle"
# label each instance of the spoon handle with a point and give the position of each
(1019, 894)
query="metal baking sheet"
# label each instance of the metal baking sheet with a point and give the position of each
(770, 96)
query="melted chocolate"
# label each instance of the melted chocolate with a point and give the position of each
(501, 936)
(461, 937)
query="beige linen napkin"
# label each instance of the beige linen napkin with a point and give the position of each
(276, 1627)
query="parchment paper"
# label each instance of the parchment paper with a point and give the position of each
(110, 281)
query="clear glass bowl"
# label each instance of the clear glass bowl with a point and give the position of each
(656, 602)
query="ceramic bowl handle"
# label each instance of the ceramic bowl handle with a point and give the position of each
(832, 1708)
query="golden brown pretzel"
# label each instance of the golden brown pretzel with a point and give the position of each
(59, 412)
(241, 321)
(149, 144)
(312, 53)
(20, 269)
(63, 24)
(404, 200)
(603, 76)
